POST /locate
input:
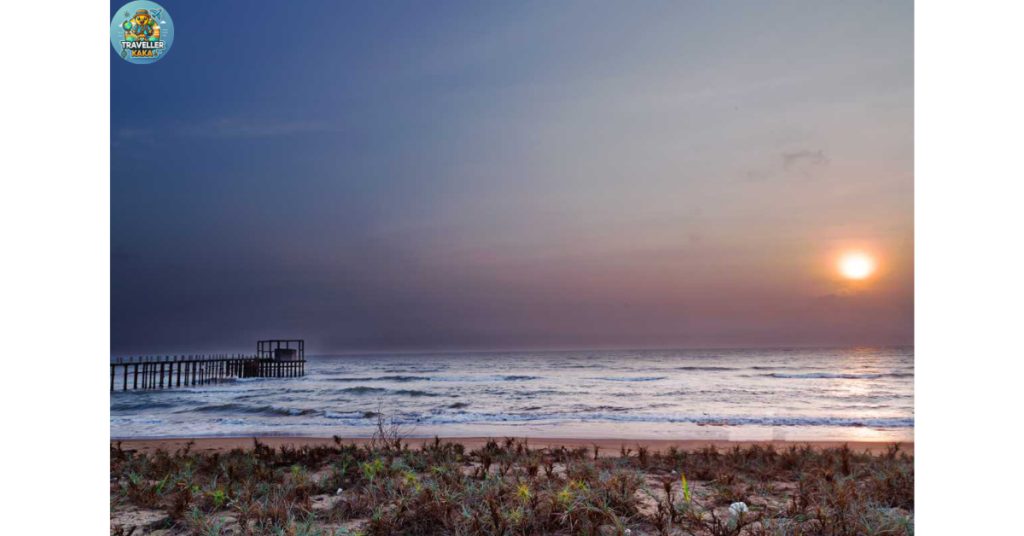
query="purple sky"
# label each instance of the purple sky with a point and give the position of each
(515, 175)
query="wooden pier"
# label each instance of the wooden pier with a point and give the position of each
(273, 359)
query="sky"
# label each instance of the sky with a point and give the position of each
(445, 176)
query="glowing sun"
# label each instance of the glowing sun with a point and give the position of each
(856, 265)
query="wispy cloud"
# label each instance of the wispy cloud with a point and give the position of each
(133, 141)
(222, 128)
(804, 158)
(237, 128)
(802, 162)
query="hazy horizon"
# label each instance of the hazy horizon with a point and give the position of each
(468, 177)
(164, 352)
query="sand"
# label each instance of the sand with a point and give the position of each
(609, 447)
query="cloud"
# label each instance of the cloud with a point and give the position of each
(135, 134)
(757, 175)
(236, 128)
(802, 162)
(130, 138)
(804, 158)
(223, 128)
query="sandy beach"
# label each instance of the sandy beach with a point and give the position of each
(609, 447)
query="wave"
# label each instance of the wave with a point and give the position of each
(354, 415)
(365, 390)
(380, 379)
(243, 408)
(416, 393)
(467, 417)
(782, 367)
(532, 393)
(708, 369)
(403, 379)
(842, 376)
(135, 406)
(605, 408)
(484, 379)
(632, 379)
(362, 390)
(413, 369)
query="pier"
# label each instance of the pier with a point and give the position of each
(273, 359)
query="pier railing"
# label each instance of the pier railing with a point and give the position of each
(165, 372)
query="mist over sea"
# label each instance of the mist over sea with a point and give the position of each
(750, 394)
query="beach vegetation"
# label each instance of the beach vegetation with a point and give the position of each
(507, 487)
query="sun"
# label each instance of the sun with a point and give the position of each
(856, 265)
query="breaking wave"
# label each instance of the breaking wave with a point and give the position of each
(842, 376)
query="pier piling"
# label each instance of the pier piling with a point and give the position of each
(273, 359)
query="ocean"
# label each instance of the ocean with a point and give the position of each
(851, 394)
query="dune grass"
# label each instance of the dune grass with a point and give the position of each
(507, 487)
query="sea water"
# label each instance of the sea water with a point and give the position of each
(845, 394)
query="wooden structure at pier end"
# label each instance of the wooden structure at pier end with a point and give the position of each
(285, 358)
(282, 349)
